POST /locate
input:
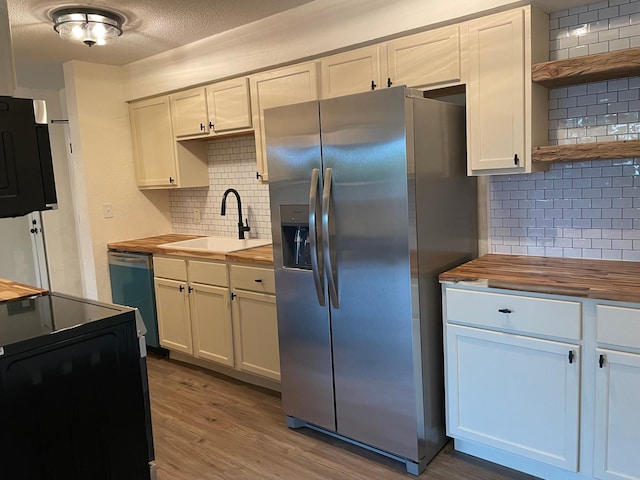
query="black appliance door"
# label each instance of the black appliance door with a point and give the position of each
(21, 188)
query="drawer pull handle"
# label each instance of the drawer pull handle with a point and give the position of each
(181, 287)
(505, 310)
(258, 280)
(601, 361)
(570, 356)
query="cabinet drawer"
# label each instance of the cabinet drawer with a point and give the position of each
(618, 326)
(515, 313)
(208, 273)
(253, 278)
(173, 268)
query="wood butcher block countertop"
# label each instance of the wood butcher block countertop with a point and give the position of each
(261, 255)
(576, 277)
(14, 291)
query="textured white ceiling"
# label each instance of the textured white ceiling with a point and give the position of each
(151, 26)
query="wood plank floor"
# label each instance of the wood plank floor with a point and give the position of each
(209, 427)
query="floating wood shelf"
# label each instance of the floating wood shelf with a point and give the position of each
(590, 68)
(587, 151)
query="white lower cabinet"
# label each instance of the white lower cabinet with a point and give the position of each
(174, 323)
(545, 384)
(255, 321)
(211, 323)
(515, 393)
(617, 438)
(196, 317)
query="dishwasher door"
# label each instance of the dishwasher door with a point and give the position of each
(132, 285)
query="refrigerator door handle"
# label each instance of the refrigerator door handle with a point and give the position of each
(326, 205)
(316, 267)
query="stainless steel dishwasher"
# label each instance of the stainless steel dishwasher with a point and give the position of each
(132, 285)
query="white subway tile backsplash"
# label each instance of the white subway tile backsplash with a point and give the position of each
(232, 164)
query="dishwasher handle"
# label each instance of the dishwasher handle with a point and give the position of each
(133, 260)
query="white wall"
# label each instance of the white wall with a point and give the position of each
(312, 29)
(103, 172)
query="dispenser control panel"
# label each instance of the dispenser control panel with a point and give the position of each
(294, 221)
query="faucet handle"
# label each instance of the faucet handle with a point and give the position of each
(246, 227)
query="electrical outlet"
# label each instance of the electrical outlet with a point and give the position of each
(197, 218)
(107, 210)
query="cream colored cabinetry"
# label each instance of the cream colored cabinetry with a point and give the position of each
(172, 304)
(229, 105)
(617, 423)
(255, 320)
(428, 60)
(513, 374)
(192, 299)
(275, 88)
(355, 71)
(506, 113)
(213, 110)
(160, 161)
(218, 313)
(189, 112)
(210, 313)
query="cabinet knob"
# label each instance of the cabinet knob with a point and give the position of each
(171, 180)
(516, 160)
(210, 126)
(373, 85)
(233, 295)
(202, 127)
(190, 289)
(389, 82)
(181, 288)
(601, 361)
(571, 355)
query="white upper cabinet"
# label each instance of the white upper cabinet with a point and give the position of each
(209, 111)
(189, 112)
(160, 161)
(354, 71)
(502, 104)
(427, 60)
(229, 105)
(276, 88)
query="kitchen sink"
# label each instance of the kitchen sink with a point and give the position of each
(216, 244)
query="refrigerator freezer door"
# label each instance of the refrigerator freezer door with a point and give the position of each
(293, 152)
(371, 236)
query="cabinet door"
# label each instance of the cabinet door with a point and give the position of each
(276, 88)
(189, 112)
(153, 142)
(617, 431)
(211, 323)
(515, 393)
(256, 333)
(229, 106)
(496, 93)
(352, 72)
(174, 324)
(427, 59)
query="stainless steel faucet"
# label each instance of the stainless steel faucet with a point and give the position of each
(241, 227)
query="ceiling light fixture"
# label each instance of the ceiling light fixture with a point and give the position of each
(91, 26)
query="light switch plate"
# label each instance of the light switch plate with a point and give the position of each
(197, 217)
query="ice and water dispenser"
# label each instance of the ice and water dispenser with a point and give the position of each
(296, 250)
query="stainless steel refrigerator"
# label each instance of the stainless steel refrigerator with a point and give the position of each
(369, 203)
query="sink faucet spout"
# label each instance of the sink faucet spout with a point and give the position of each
(241, 227)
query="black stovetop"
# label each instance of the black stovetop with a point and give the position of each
(30, 318)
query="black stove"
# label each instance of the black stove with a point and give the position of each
(74, 398)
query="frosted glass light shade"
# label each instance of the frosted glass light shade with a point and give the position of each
(91, 26)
